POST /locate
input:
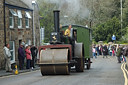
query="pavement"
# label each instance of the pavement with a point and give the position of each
(4, 73)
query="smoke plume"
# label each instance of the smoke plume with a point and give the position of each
(71, 8)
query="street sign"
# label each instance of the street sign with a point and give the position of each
(113, 37)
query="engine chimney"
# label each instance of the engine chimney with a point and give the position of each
(56, 20)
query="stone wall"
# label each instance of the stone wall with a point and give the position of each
(2, 62)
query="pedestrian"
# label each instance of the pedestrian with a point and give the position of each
(113, 52)
(97, 49)
(105, 51)
(101, 50)
(119, 54)
(94, 51)
(124, 53)
(21, 56)
(110, 50)
(34, 55)
(116, 49)
(28, 57)
(7, 56)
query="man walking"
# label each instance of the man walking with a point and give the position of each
(7, 55)
(21, 55)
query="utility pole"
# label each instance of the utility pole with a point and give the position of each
(121, 16)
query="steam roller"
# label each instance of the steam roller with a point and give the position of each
(55, 61)
(63, 52)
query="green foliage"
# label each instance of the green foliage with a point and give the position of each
(104, 31)
(47, 20)
(108, 21)
(125, 37)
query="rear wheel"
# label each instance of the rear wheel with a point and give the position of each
(88, 63)
(80, 65)
(79, 53)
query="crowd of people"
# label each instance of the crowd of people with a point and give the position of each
(25, 52)
(28, 52)
(120, 51)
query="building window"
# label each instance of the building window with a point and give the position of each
(11, 21)
(28, 42)
(12, 50)
(12, 13)
(27, 17)
(27, 22)
(19, 18)
(19, 23)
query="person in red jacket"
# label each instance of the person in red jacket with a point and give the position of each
(28, 57)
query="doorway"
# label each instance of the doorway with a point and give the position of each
(20, 41)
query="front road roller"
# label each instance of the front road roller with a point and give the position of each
(54, 61)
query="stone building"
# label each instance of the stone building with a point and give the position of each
(35, 8)
(18, 27)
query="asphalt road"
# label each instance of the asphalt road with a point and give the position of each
(104, 71)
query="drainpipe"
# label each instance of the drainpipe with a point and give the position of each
(4, 23)
(33, 4)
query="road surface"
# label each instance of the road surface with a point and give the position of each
(104, 71)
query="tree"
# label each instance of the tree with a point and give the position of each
(46, 18)
(126, 35)
(104, 31)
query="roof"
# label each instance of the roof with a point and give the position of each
(16, 4)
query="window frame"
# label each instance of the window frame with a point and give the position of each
(12, 50)
(27, 17)
(19, 19)
(12, 20)
(12, 14)
(27, 21)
